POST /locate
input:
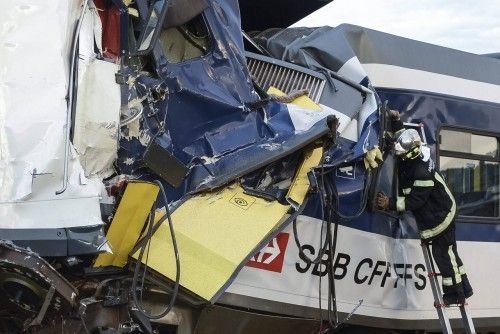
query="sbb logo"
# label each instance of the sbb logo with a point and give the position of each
(272, 256)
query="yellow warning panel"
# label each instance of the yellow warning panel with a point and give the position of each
(128, 222)
(300, 185)
(302, 101)
(217, 231)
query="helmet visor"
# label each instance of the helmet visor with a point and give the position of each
(399, 149)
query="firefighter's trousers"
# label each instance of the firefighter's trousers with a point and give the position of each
(444, 251)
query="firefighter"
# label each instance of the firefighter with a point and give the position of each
(426, 195)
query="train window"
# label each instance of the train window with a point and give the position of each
(469, 163)
(187, 41)
(458, 141)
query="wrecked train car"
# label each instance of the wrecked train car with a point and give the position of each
(161, 178)
(451, 98)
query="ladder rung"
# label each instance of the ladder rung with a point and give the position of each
(437, 305)
(456, 305)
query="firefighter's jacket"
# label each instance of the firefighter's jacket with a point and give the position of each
(426, 195)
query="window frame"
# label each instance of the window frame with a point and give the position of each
(471, 156)
(156, 32)
(162, 54)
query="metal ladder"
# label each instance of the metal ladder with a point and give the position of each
(438, 297)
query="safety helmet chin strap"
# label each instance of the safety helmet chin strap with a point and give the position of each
(412, 153)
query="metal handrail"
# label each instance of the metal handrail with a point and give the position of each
(74, 59)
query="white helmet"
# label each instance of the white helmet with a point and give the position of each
(408, 144)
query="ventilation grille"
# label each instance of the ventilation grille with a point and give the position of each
(285, 78)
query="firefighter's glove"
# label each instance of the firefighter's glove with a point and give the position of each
(382, 202)
(131, 11)
(394, 115)
(372, 157)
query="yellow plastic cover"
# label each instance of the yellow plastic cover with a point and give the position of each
(217, 231)
(128, 222)
(300, 186)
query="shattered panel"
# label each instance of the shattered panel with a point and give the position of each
(97, 119)
(206, 113)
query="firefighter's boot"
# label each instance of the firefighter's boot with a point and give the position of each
(468, 292)
(453, 294)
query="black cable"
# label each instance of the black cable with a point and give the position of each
(303, 255)
(137, 303)
(322, 249)
(148, 245)
(334, 248)
(84, 325)
(329, 244)
(334, 206)
(364, 197)
(331, 203)
(335, 214)
(325, 218)
(327, 193)
(319, 286)
(323, 246)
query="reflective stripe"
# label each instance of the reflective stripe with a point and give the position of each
(461, 270)
(447, 281)
(406, 191)
(426, 234)
(423, 183)
(413, 153)
(400, 203)
(453, 260)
